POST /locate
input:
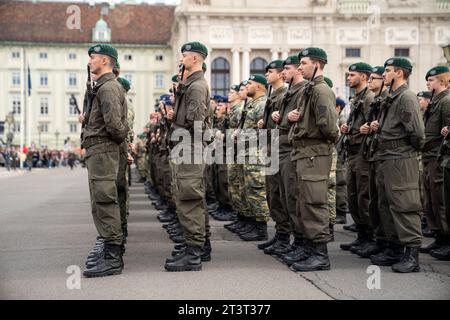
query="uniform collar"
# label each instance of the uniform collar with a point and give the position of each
(399, 90)
(104, 78)
(193, 77)
(438, 97)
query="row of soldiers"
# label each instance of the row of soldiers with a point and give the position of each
(378, 144)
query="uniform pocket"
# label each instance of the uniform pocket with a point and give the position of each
(315, 188)
(190, 182)
(104, 191)
(406, 197)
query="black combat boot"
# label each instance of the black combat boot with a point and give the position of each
(359, 240)
(97, 250)
(178, 239)
(436, 244)
(258, 233)
(426, 232)
(249, 225)
(331, 227)
(266, 244)
(371, 248)
(318, 260)
(206, 250)
(240, 222)
(191, 261)
(167, 216)
(392, 254)
(176, 254)
(351, 228)
(301, 251)
(281, 244)
(341, 217)
(409, 262)
(161, 205)
(443, 253)
(110, 264)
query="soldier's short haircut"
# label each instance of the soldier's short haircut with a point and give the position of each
(112, 62)
(406, 72)
(320, 62)
(443, 78)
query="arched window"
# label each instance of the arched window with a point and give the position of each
(220, 77)
(258, 66)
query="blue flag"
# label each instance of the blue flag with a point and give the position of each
(29, 81)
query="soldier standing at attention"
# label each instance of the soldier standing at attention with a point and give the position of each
(191, 106)
(312, 136)
(436, 117)
(358, 167)
(400, 133)
(277, 206)
(105, 129)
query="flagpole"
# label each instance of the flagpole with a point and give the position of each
(29, 105)
(22, 105)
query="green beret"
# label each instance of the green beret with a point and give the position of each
(275, 64)
(243, 83)
(105, 49)
(437, 70)
(378, 70)
(125, 83)
(328, 81)
(142, 136)
(291, 60)
(195, 47)
(424, 94)
(258, 78)
(175, 78)
(399, 62)
(117, 65)
(236, 87)
(361, 67)
(204, 67)
(315, 53)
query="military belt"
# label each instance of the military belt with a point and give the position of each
(308, 142)
(393, 144)
(92, 141)
(430, 145)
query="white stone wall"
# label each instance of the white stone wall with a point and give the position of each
(143, 67)
(241, 30)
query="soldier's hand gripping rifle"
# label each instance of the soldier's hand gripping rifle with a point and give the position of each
(266, 108)
(284, 103)
(373, 114)
(242, 119)
(444, 144)
(385, 104)
(90, 95)
(342, 143)
(429, 110)
(305, 96)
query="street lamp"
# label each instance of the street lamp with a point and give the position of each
(39, 129)
(56, 136)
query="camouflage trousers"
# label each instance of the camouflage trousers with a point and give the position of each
(141, 166)
(255, 192)
(332, 191)
(236, 189)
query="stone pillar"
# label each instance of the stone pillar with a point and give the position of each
(274, 54)
(245, 64)
(208, 61)
(236, 67)
(285, 54)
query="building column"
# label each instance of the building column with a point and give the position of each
(285, 54)
(236, 70)
(208, 66)
(274, 54)
(246, 64)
